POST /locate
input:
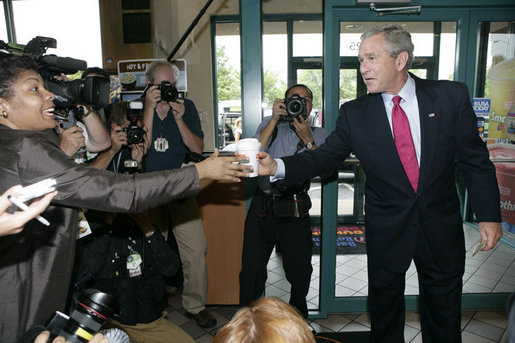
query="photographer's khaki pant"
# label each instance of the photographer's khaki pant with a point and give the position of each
(159, 331)
(183, 216)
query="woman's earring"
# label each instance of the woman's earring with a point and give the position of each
(4, 114)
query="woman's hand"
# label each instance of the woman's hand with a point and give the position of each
(11, 224)
(223, 168)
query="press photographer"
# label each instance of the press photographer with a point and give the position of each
(174, 132)
(128, 140)
(281, 215)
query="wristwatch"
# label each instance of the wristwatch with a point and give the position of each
(82, 114)
(310, 145)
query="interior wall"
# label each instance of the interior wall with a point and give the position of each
(292, 6)
(171, 19)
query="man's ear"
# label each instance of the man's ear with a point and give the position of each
(402, 60)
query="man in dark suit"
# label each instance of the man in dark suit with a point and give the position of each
(409, 147)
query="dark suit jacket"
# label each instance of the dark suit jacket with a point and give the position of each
(449, 138)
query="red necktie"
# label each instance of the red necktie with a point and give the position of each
(404, 142)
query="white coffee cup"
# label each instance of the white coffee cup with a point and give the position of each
(250, 147)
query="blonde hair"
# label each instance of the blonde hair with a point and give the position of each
(267, 320)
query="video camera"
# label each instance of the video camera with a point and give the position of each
(92, 91)
(135, 134)
(295, 107)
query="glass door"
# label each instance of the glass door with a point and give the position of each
(351, 276)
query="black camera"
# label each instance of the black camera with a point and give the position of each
(135, 134)
(91, 309)
(169, 92)
(295, 107)
(92, 91)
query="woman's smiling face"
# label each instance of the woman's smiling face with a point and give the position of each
(31, 106)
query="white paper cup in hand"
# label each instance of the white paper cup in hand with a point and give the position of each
(250, 147)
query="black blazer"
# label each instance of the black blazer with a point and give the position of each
(449, 139)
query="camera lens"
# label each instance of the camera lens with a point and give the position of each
(92, 310)
(296, 106)
(135, 135)
(168, 91)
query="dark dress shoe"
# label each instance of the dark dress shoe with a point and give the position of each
(204, 319)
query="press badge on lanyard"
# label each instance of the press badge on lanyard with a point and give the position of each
(161, 144)
(134, 263)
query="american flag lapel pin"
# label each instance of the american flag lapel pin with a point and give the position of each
(431, 115)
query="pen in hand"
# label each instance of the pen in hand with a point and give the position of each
(24, 207)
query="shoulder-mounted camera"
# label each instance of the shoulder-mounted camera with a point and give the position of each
(91, 91)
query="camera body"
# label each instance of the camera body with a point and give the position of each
(91, 310)
(169, 92)
(295, 107)
(92, 91)
(135, 134)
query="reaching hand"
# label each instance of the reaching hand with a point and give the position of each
(223, 168)
(267, 165)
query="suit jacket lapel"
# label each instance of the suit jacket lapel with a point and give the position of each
(429, 113)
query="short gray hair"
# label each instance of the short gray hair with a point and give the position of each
(397, 40)
(152, 67)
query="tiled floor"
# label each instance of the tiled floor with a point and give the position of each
(487, 272)
(487, 326)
